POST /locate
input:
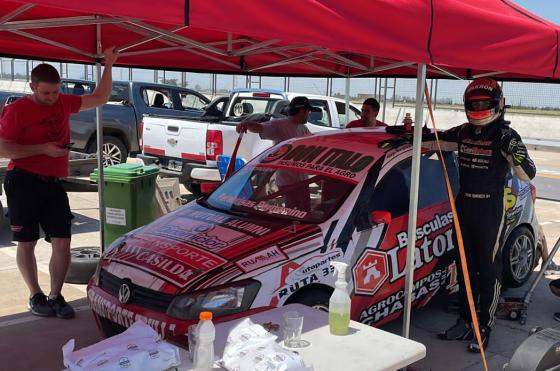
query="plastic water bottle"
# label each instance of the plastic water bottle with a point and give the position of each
(339, 303)
(203, 359)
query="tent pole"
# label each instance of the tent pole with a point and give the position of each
(99, 123)
(347, 100)
(413, 205)
(384, 101)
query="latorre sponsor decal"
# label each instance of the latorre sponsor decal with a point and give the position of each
(262, 258)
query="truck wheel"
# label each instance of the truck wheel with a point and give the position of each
(83, 262)
(114, 150)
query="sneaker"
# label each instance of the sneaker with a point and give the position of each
(39, 306)
(61, 308)
(461, 330)
(556, 316)
(551, 269)
(484, 336)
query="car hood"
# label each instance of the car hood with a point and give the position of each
(187, 246)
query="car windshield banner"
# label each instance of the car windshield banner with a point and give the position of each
(311, 154)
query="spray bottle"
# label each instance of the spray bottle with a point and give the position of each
(339, 303)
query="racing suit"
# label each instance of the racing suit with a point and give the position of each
(485, 154)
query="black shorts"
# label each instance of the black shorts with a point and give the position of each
(35, 201)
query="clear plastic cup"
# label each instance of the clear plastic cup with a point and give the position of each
(293, 324)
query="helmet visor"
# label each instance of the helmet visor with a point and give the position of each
(480, 102)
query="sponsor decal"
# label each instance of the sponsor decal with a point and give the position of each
(208, 236)
(166, 267)
(16, 228)
(294, 276)
(394, 303)
(262, 206)
(370, 272)
(427, 250)
(261, 258)
(472, 150)
(192, 256)
(311, 156)
(125, 317)
(244, 226)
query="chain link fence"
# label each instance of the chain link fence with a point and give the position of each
(520, 96)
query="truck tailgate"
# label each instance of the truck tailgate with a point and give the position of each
(176, 138)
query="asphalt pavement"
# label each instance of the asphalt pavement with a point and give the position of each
(32, 343)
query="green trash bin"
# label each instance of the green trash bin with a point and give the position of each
(129, 198)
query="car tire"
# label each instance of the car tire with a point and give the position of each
(83, 262)
(114, 150)
(314, 297)
(519, 255)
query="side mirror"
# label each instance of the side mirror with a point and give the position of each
(209, 187)
(380, 217)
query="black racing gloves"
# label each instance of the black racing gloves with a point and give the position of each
(396, 142)
(514, 147)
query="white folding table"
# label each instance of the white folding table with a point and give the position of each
(365, 348)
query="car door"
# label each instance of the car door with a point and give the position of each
(379, 270)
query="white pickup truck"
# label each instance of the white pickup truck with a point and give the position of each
(187, 148)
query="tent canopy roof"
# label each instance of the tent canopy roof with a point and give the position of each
(457, 39)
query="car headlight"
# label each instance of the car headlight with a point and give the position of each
(233, 298)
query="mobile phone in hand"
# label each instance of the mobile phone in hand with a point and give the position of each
(67, 145)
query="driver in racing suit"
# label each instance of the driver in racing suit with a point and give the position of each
(487, 148)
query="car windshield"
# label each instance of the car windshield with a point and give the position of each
(266, 191)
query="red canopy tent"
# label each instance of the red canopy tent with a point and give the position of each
(460, 38)
(455, 38)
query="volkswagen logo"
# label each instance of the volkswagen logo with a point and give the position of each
(125, 293)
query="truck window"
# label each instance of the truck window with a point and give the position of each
(341, 110)
(191, 101)
(157, 98)
(320, 114)
(119, 93)
(76, 88)
(246, 105)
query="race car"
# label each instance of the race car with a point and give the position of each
(267, 235)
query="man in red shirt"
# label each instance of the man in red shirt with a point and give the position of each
(370, 110)
(35, 135)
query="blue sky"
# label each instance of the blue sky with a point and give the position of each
(548, 9)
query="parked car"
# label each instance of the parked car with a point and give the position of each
(267, 235)
(188, 148)
(122, 115)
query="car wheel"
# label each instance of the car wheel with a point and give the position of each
(114, 150)
(83, 262)
(518, 257)
(314, 297)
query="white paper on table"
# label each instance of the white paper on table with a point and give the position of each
(250, 347)
(138, 348)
